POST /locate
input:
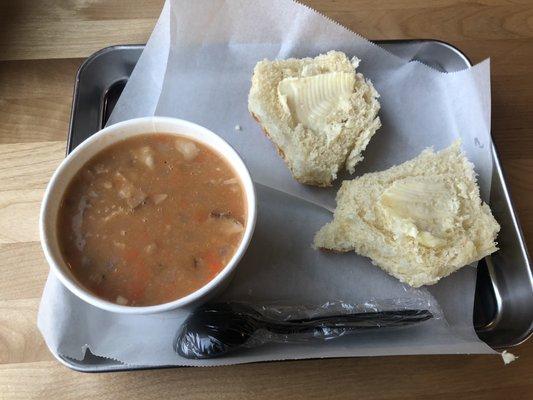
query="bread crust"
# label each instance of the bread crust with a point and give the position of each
(282, 155)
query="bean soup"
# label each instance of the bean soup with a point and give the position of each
(151, 219)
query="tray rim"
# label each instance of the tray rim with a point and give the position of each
(118, 366)
(81, 69)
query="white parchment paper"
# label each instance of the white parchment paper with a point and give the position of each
(197, 66)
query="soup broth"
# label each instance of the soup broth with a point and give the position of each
(151, 219)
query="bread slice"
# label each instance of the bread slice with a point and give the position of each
(318, 112)
(419, 221)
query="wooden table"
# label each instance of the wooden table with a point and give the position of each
(42, 43)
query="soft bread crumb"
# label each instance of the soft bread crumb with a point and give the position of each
(507, 357)
(315, 156)
(419, 221)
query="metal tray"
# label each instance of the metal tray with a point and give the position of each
(503, 315)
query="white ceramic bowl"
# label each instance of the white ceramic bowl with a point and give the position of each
(102, 139)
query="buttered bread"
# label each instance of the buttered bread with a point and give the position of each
(319, 113)
(419, 221)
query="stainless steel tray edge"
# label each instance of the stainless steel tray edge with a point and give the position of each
(502, 284)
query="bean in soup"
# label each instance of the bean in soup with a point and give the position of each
(151, 219)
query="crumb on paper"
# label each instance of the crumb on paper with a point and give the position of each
(507, 357)
(238, 128)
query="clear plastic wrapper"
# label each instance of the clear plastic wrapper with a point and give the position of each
(217, 329)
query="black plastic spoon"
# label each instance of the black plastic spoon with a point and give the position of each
(216, 329)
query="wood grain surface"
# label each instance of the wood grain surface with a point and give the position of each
(42, 43)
